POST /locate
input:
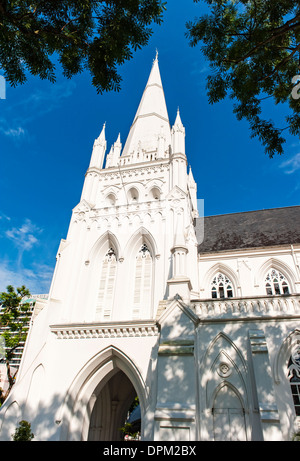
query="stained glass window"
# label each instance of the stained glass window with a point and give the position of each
(221, 286)
(276, 283)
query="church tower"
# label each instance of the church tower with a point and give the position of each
(130, 243)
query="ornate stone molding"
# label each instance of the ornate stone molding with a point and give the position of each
(105, 330)
(240, 308)
(135, 169)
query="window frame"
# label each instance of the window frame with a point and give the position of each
(221, 286)
(276, 283)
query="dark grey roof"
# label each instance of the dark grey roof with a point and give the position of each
(249, 229)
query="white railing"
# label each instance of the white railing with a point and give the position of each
(259, 306)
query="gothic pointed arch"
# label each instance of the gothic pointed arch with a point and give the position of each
(110, 199)
(134, 192)
(227, 385)
(12, 415)
(283, 271)
(224, 389)
(228, 414)
(230, 281)
(75, 412)
(289, 343)
(286, 371)
(141, 236)
(154, 189)
(37, 382)
(223, 362)
(105, 241)
(110, 195)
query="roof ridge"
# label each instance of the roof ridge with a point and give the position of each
(252, 211)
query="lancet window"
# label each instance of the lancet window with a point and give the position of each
(142, 282)
(221, 286)
(132, 195)
(155, 193)
(276, 283)
(294, 377)
(106, 287)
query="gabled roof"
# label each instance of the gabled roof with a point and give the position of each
(252, 229)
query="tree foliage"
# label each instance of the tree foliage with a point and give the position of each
(254, 52)
(23, 432)
(14, 321)
(83, 34)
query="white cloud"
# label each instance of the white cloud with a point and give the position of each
(24, 237)
(17, 270)
(4, 217)
(8, 276)
(291, 165)
(14, 132)
(36, 279)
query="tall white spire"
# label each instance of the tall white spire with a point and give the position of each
(151, 117)
(99, 149)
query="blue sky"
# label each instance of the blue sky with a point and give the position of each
(47, 133)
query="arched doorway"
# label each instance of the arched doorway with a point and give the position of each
(111, 404)
(97, 403)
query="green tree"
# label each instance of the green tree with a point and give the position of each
(254, 52)
(296, 437)
(131, 429)
(14, 322)
(83, 34)
(23, 432)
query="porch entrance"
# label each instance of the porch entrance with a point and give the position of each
(110, 405)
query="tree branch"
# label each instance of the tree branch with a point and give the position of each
(285, 60)
(279, 31)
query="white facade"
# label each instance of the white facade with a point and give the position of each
(135, 308)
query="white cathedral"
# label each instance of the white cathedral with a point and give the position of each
(198, 317)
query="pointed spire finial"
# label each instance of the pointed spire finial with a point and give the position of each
(178, 122)
(156, 55)
(118, 141)
(99, 149)
(101, 137)
(102, 131)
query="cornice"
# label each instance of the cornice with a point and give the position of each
(105, 330)
(152, 164)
